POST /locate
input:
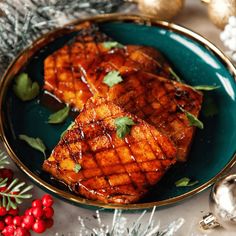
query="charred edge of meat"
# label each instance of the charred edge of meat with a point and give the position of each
(90, 32)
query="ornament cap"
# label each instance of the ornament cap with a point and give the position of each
(206, 1)
(209, 222)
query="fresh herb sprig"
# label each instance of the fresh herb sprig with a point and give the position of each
(68, 128)
(112, 44)
(185, 182)
(24, 88)
(206, 87)
(193, 120)
(123, 126)
(112, 78)
(59, 116)
(177, 78)
(35, 143)
(77, 168)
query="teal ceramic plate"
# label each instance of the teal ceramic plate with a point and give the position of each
(194, 59)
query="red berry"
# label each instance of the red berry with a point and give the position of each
(48, 212)
(39, 226)
(9, 230)
(17, 220)
(21, 232)
(37, 203)
(13, 212)
(27, 233)
(3, 211)
(2, 189)
(25, 226)
(37, 212)
(6, 173)
(27, 221)
(47, 200)
(28, 212)
(8, 220)
(2, 225)
(49, 223)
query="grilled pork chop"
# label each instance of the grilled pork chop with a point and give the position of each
(159, 101)
(113, 170)
(76, 72)
(65, 69)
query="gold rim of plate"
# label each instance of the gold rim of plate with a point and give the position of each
(22, 59)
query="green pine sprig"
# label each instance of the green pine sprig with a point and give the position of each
(15, 191)
(14, 194)
(3, 160)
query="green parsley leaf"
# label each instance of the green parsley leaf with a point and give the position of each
(112, 78)
(77, 168)
(206, 87)
(68, 128)
(193, 120)
(185, 182)
(59, 116)
(177, 78)
(112, 44)
(24, 88)
(123, 126)
(35, 143)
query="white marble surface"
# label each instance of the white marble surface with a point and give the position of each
(194, 16)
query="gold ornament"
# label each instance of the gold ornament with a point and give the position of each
(219, 11)
(161, 9)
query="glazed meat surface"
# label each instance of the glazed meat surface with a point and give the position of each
(65, 71)
(76, 72)
(157, 100)
(113, 170)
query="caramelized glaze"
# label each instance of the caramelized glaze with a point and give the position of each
(156, 100)
(113, 170)
(65, 71)
(76, 72)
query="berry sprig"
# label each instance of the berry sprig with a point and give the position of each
(37, 218)
(13, 193)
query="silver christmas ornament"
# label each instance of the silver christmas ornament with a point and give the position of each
(222, 203)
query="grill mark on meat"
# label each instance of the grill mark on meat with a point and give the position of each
(89, 36)
(142, 93)
(129, 176)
